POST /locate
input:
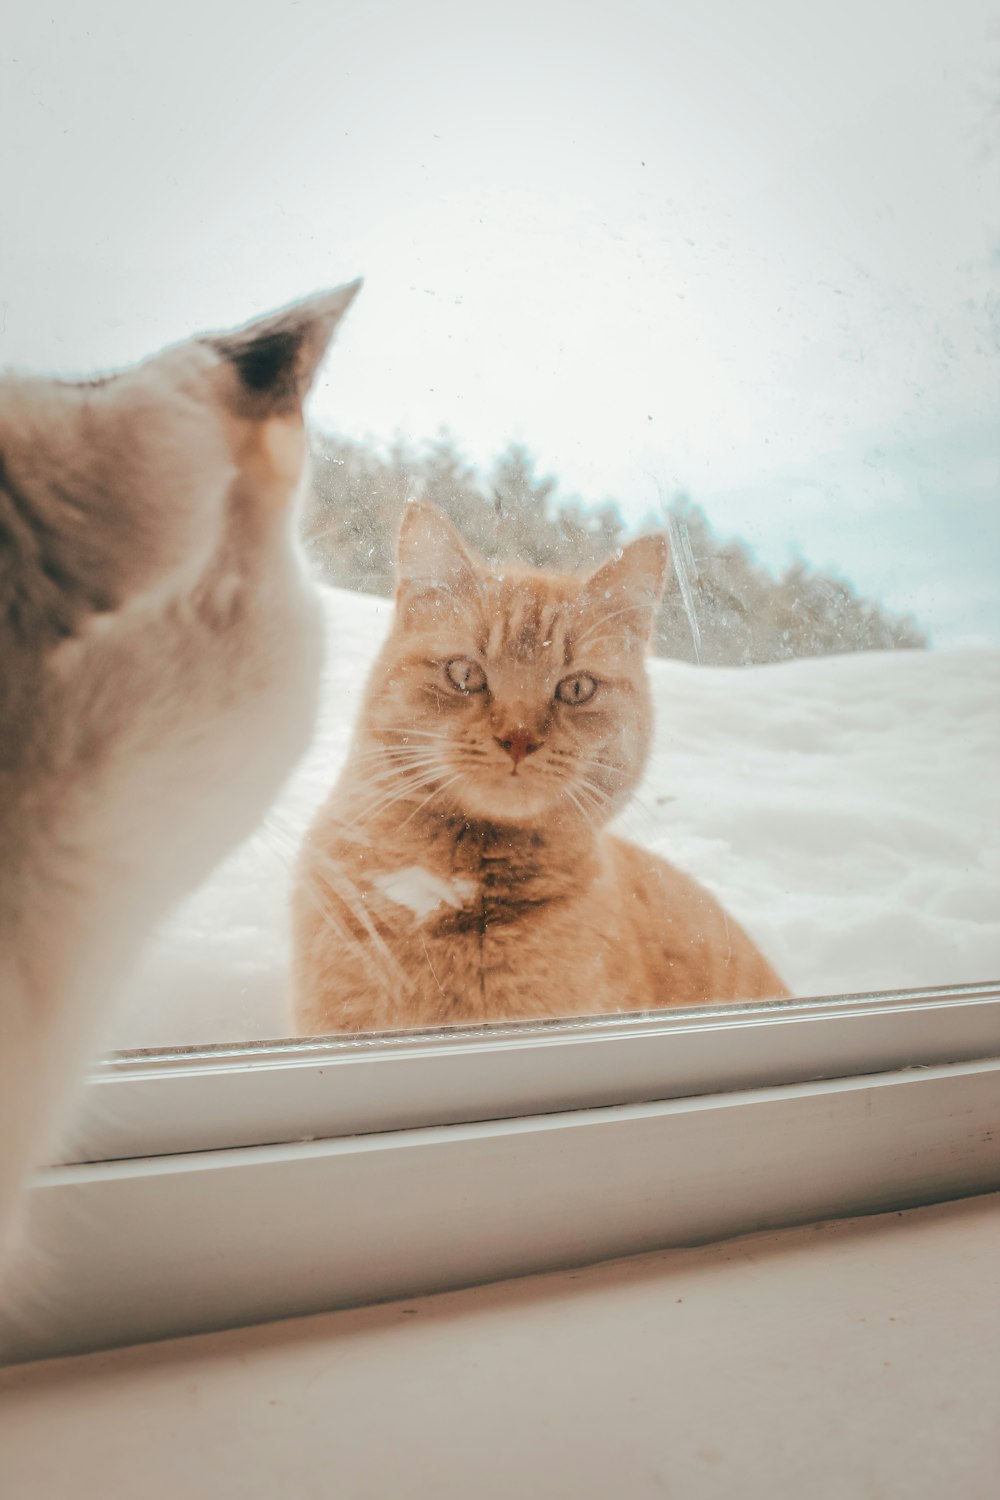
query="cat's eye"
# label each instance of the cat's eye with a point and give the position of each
(576, 689)
(468, 676)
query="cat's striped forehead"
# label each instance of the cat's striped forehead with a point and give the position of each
(527, 618)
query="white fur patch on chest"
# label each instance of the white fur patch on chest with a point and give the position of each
(423, 892)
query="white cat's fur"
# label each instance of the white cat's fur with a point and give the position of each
(159, 658)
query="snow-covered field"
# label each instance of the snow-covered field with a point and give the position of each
(845, 809)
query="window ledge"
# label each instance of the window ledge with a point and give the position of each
(153, 1248)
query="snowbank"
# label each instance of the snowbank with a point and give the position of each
(844, 808)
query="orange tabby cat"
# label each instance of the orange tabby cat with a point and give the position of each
(461, 869)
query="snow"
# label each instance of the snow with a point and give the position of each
(844, 808)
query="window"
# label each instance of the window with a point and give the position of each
(728, 274)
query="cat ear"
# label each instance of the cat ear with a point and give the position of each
(276, 357)
(432, 561)
(626, 590)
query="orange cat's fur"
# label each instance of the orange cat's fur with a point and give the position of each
(461, 870)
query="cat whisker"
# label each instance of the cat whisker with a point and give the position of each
(587, 801)
(394, 753)
(376, 806)
(595, 786)
(569, 793)
(641, 802)
(381, 806)
(629, 609)
(381, 751)
(597, 760)
(595, 798)
(390, 762)
(396, 775)
(344, 889)
(435, 793)
(390, 781)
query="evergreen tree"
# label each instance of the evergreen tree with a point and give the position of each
(720, 607)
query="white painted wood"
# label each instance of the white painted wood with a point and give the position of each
(154, 1248)
(856, 1360)
(145, 1104)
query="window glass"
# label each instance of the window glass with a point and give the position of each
(719, 274)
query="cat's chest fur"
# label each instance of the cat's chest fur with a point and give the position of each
(472, 875)
(466, 916)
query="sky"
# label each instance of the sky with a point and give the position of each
(751, 251)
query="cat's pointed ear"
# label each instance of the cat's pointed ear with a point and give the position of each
(627, 589)
(276, 357)
(432, 561)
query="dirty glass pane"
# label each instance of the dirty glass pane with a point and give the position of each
(718, 275)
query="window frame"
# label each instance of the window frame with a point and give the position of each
(206, 1098)
(425, 1166)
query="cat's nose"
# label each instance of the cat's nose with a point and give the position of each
(518, 743)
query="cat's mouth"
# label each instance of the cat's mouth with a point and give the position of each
(500, 790)
(517, 770)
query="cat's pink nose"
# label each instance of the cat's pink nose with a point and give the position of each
(518, 743)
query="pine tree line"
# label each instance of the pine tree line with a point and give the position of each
(721, 607)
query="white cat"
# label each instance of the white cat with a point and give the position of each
(159, 660)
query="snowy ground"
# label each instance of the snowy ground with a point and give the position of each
(845, 809)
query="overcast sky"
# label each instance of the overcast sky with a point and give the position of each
(747, 249)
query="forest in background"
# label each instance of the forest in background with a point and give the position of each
(721, 607)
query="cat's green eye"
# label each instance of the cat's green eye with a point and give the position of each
(576, 689)
(468, 676)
